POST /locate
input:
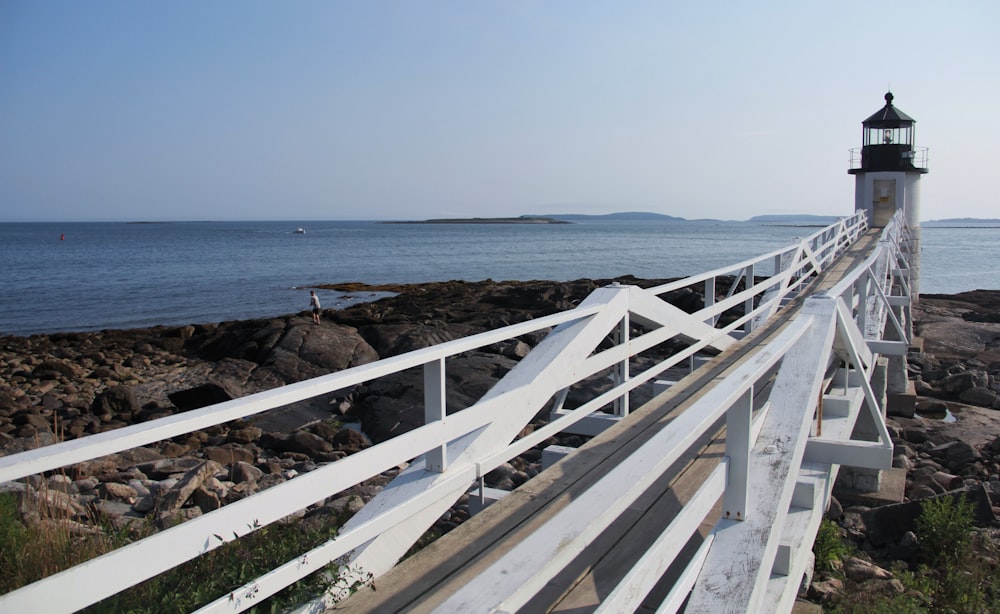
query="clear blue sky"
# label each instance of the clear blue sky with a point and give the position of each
(246, 110)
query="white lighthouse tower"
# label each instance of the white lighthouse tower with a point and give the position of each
(887, 170)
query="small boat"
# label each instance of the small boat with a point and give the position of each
(300, 231)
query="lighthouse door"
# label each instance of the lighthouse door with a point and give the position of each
(883, 201)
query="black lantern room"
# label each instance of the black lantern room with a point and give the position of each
(888, 143)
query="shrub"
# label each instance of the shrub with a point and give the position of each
(828, 547)
(944, 529)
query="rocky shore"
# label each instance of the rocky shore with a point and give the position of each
(63, 386)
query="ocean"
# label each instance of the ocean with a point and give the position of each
(92, 276)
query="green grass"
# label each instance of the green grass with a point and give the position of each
(32, 551)
(227, 568)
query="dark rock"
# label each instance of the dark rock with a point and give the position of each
(350, 440)
(117, 401)
(955, 454)
(834, 511)
(826, 591)
(245, 472)
(394, 404)
(325, 430)
(947, 480)
(30, 417)
(228, 454)
(55, 369)
(993, 447)
(310, 351)
(300, 445)
(246, 435)
(394, 339)
(205, 395)
(981, 396)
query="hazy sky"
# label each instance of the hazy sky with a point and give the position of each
(244, 110)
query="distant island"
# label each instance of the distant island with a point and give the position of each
(639, 216)
(524, 219)
(625, 215)
(551, 218)
(795, 219)
(963, 222)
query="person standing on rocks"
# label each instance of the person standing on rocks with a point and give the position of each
(314, 303)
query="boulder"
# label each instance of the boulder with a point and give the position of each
(394, 339)
(887, 524)
(117, 401)
(979, 395)
(955, 454)
(350, 440)
(177, 496)
(245, 472)
(205, 395)
(394, 404)
(229, 454)
(310, 351)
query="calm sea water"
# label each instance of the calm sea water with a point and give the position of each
(118, 275)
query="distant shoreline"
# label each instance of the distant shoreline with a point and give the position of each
(485, 220)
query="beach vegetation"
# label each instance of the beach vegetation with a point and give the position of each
(30, 551)
(829, 548)
(954, 571)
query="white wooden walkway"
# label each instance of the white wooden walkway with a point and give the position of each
(627, 523)
(648, 515)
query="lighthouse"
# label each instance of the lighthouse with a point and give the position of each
(887, 170)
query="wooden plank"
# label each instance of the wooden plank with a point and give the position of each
(656, 558)
(626, 542)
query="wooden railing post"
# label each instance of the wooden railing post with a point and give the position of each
(435, 408)
(738, 418)
(621, 371)
(710, 298)
(748, 305)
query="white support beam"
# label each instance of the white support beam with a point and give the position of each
(889, 348)
(651, 311)
(850, 453)
(589, 426)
